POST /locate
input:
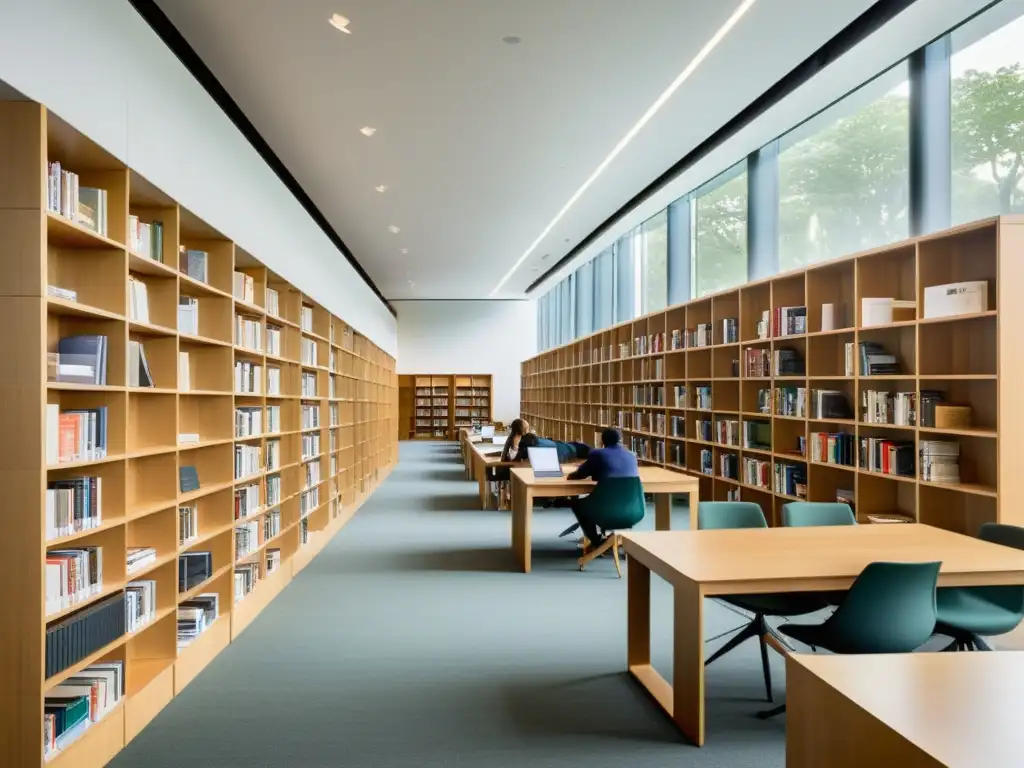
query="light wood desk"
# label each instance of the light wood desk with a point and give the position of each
(714, 563)
(918, 710)
(660, 482)
(483, 456)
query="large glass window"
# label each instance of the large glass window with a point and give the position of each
(720, 234)
(654, 263)
(987, 114)
(844, 175)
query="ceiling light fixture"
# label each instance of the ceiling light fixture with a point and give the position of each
(394, 230)
(624, 142)
(340, 23)
(382, 188)
(404, 251)
(367, 130)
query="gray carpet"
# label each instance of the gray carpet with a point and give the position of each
(410, 643)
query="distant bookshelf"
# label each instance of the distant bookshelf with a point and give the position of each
(171, 431)
(435, 407)
(870, 379)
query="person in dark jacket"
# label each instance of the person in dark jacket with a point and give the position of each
(613, 460)
(566, 451)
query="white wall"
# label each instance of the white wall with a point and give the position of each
(488, 337)
(98, 65)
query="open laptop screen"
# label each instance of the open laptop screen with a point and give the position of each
(487, 431)
(544, 459)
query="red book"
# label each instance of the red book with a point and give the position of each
(68, 437)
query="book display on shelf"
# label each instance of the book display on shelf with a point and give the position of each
(131, 383)
(870, 379)
(436, 407)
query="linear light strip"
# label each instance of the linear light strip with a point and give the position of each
(624, 142)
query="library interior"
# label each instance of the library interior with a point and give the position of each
(552, 383)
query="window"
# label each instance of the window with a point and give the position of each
(654, 263)
(604, 289)
(720, 234)
(987, 114)
(844, 175)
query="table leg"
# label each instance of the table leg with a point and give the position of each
(522, 511)
(694, 503)
(481, 479)
(663, 511)
(638, 613)
(688, 661)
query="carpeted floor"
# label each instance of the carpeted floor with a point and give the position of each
(410, 643)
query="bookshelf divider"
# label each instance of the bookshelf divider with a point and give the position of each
(882, 379)
(159, 379)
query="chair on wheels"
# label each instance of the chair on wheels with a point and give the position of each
(967, 613)
(617, 503)
(890, 608)
(800, 514)
(745, 514)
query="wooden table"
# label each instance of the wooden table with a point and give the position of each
(660, 482)
(920, 710)
(480, 462)
(713, 563)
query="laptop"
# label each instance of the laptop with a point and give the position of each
(544, 462)
(486, 432)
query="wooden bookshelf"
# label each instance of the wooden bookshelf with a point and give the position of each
(434, 407)
(572, 391)
(353, 384)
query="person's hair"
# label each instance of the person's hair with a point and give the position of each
(517, 428)
(610, 436)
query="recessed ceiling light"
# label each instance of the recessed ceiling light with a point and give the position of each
(625, 141)
(567, 239)
(545, 257)
(340, 23)
(404, 250)
(512, 40)
(394, 230)
(367, 130)
(381, 188)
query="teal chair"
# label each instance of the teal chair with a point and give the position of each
(713, 515)
(616, 504)
(800, 514)
(967, 613)
(890, 608)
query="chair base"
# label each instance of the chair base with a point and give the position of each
(968, 643)
(767, 714)
(612, 541)
(758, 628)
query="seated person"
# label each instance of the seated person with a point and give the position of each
(613, 460)
(518, 429)
(566, 451)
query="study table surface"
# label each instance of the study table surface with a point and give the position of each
(958, 710)
(658, 481)
(700, 564)
(484, 455)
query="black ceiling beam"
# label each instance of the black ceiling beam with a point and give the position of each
(874, 18)
(173, 39)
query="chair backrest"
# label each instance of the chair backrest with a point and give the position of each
(713, 515)
(1009, 597)
(798, 514)
(890, 608)
(621, 501)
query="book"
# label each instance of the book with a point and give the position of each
(89, 351)
(139, 557)
(61, 293)
(146, 238)
(194, 263)
(73, 505)
(184, 373)
(188, 479)
(244, 287)
(193, 569)
(72, 638)
(91, 211)
(138, 300)
(188, 315)
(140, 604)
(272, 300)
(196, 615)
(188, 523)
(138, 366)
(75, 435)
(72, 576)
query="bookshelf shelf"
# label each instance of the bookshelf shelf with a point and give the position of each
(120, 295)
(801, 334)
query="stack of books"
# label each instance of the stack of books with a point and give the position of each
(74, 637)
(140, 557)
(247, 500)
(79, 435)
(273, 302)
(188, 523)
(138, 300)
(194, 264)
(193, 569)
(248, 333)
(140, 604)
(246, 576)
(896, 408)
(248, 377)
(195, 616)
(789, 321)
(72, 575)
(244, 288)
(248, 422)
(247, 538)
(73, 505)
(888, 457)
(70, 708)
(833, 448)
(248, 461)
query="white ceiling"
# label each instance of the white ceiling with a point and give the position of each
(481, 143)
